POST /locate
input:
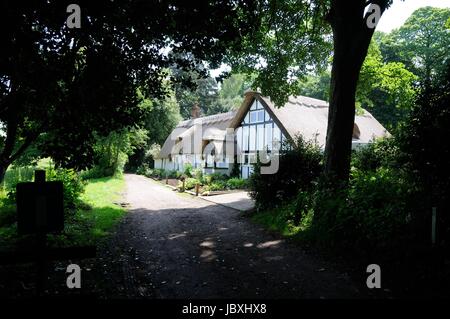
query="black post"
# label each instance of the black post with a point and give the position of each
(41, 263)
(39, 176)
(41, 242)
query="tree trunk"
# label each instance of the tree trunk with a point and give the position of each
(3, 169)
(351, 38)
(10, 140)
(7, 156)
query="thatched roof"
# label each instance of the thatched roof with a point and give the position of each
(308, 117)
(300, 115)
(213, 128)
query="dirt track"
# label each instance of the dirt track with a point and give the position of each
(177, 246)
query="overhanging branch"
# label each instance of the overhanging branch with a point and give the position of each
(28, 141)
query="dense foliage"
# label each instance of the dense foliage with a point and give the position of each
(421, 44)
(299, 166)
(427, 151)
(211, 96)
(73, 185)
(111, 152)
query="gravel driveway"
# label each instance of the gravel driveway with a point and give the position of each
(173, 245)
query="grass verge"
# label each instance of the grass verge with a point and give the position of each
(282, 220)
(89, 224)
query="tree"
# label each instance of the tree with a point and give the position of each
(351, 38)
(231, 93)
(111, 152)
(422, 43)
(161, 117)
(203, 91)
(67, 83)
(316, 86)
(386, 89)
(212, 97)
(294, 38)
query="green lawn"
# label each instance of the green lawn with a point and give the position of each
(93, 221)
(101, 194)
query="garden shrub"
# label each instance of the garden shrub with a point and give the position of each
(144, 169)
(158, 173)
(383, 152)
(216, 186)
(72, 183)
(299, 165)
(188, 170)
(174, 174)
(236, 169)
(370, 215)
(237, 183)
(149, 173)
(191, 182)
(197, 173)
(214, 177)
(73, 186)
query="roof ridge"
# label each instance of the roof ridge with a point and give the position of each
(307, 101)
(219, 117)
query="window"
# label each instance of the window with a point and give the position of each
(268, 133)
(276, 137)
(255, 117)
(266, 116)
(247, 118)
(245, 138)
(261, 116)
(252, 137)
(239, 138)
(260, 139)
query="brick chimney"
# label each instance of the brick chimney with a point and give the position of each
(195, 111)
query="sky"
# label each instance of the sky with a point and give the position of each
(392, 18)
(400, 11)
